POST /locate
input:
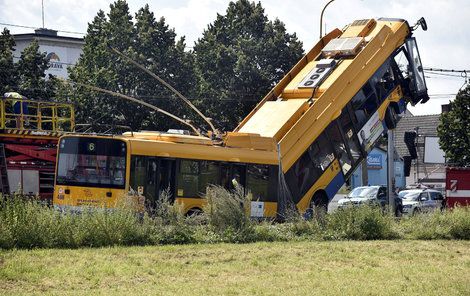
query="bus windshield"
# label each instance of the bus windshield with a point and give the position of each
(92, 162)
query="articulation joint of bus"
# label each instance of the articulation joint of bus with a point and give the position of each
(299, 144)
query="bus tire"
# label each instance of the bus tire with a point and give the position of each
(319, 205)
(391, 117)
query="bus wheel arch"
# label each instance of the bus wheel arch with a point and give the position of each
(318, 206)
(195, 211)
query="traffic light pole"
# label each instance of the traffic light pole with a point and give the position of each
(391, 170)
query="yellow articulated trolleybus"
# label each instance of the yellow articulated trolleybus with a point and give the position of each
(315, 126)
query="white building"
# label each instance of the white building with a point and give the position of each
(61, 51)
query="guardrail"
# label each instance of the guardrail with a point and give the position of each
(24, 114)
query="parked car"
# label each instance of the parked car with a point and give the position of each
(370, 195)
(421, 200)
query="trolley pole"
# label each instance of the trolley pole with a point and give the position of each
(391, 171)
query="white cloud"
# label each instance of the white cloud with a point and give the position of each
(445, 44)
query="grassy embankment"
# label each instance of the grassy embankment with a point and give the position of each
(400, 267)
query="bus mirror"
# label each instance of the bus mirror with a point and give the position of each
(422, 23)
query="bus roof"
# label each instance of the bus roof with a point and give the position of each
(190, 147)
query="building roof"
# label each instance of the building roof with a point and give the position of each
(427, 125)
(48, 35)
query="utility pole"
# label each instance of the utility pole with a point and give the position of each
(42, 12)
(364, 172)
(391, 170)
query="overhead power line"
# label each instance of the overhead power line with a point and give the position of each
(445, 70)
(445, 74)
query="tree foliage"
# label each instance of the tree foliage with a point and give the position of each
(27, 75)
(149, 42)
(7, 68)
(239, 58)
(31, 69)
(454, 130)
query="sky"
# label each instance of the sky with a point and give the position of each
(446, 44)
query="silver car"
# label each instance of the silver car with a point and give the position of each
(370, 195)
(421, 200)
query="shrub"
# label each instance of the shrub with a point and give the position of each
(166, 212)
(360, 223)
(450, 224)
(425, 226)
(27, 223)
(226, 210)
(460, 223)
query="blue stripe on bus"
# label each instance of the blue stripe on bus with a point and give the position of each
(334, 185)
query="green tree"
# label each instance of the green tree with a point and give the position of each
(8, 81)
(159, 50)
(31, 78)
(454, 131)
(239, 58)
(150, 43)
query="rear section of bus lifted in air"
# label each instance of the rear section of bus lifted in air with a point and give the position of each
(301, 142)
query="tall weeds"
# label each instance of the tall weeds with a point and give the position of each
(27, 223)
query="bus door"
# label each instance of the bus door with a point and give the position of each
(166, 177)
(150, 181)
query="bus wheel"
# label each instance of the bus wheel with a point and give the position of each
(391, 118)
(319, 206)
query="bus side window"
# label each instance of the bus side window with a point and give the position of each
(347, 126)
(301, 176)
(321, 153)
(383, 81)
(257, 181)
(309, 167)
(209, 172)
(339, 146)
(188, 183)
(364, 104)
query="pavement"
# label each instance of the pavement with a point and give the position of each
(333, 205)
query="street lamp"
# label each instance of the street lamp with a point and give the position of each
(321, 17)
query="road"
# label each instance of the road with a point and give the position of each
(333, 205)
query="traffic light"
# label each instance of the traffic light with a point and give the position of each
(409, 139)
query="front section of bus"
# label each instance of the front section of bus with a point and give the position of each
(91, 171)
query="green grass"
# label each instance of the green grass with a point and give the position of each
(281, 268)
